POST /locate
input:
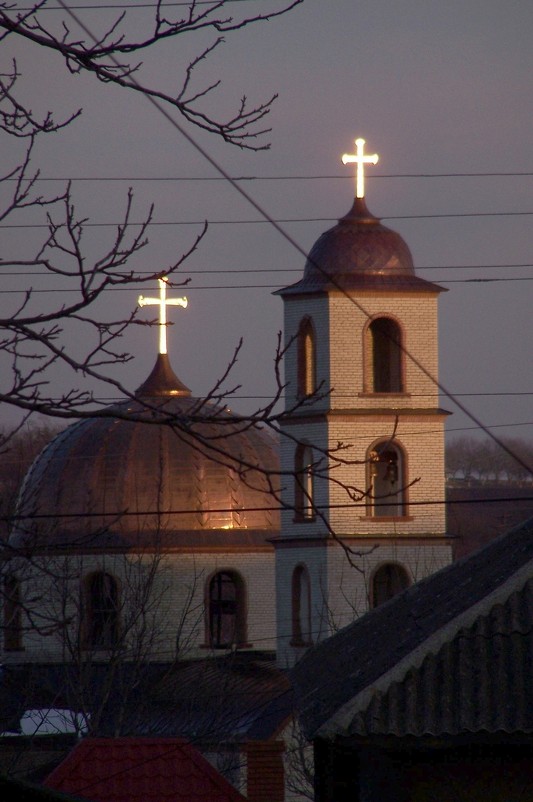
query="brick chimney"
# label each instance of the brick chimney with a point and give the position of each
(266, 775)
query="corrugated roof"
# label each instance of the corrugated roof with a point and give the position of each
(422, 630)
(478, 682)
(143, 769)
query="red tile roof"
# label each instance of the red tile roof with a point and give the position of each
(143, 769)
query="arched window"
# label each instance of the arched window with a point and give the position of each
(388, 580)
(301, 607)
(384, 361)
(227, 610)
(303, 483)
(101, 611)
(12, 615)
(386, 480)
(306, 344)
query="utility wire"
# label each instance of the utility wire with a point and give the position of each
(199, 272)
(129, 6)
(192, 287)
(363, 504)
(344, 177)
(276, 222)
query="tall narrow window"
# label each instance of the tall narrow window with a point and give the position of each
(306, 358)
(387, 480)
(384, 357)
(301, 607)
(387, 581)
(101, 613)
(303, 483)
(12, 615)
(227, 614)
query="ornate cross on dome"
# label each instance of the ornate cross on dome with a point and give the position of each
(162, 302)
(360, 159)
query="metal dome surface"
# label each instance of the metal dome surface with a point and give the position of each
(359, 252)
(148, 472)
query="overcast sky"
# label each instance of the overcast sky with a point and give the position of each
(434, 86)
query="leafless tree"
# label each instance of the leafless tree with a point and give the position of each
(481, 460)
(18, 449)
(113, 55)
(34, 342)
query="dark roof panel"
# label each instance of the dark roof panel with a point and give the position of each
(340, 676)
(478, 682)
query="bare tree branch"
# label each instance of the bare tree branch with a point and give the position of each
(103, 55)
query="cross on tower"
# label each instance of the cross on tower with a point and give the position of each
(162, 302)
(360, 159)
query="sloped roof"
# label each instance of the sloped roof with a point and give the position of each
(143, 769)
(241, 696)
(236, 698)
(451, 654)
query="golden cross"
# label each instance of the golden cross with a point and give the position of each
(360, 159)
(162, 302)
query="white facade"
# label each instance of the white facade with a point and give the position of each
(376, 435)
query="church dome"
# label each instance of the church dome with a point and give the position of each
(359, 252)
(161, 469)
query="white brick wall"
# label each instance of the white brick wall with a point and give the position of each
(356, 420)
(173, 609)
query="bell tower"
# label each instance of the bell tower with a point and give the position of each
(363, 444)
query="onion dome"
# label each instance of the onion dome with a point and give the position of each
(359, 252)
(161, 470)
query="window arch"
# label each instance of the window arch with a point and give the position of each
(303, 483)
(306, 345)
(12, 614)
(301, 607)
(101, 611)
(388, 580)
(387, 480)
(384, 359)
(226, 607)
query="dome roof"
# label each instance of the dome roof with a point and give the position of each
(359, 252)
(163, 469)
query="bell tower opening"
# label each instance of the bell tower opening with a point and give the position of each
(384, 356)
(387, 481)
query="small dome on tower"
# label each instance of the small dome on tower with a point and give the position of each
(359, 252)
(358, 244)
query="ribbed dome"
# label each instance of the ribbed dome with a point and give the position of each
(358, 253)
(115, 482)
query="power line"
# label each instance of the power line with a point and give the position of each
(344, 177)
(274, 221)
(362, 504)
(192, 287)
(283, 270)
(129, 6)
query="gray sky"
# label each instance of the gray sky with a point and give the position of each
(435, 87)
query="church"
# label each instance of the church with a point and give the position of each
(170, 561)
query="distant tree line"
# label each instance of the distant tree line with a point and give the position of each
(18, 449)
(471, 459)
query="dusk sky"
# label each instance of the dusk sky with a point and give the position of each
(440, 89)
